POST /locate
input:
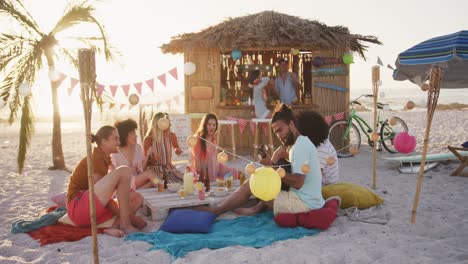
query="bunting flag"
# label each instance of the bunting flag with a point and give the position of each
(242, 124)
(122, 106)
(73, 83)
(138, 86)
(252, 127)
(162, 78)
(100, 89)
(111, 105)
(328, 119)
(150, 84)
(230, 118)
(265, 127)
(113, 89)
(379, 61)
(338, 116)
(173, 73)
(62, 77)
(125, 88)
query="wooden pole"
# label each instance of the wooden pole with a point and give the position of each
(375, 91)
(432, 97)
(87, 68)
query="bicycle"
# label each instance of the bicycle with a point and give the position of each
(345, 133)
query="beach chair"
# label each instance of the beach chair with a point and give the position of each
(463, 157)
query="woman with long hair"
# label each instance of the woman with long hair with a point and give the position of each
(204, 153)
(157, 146)
(131, 155)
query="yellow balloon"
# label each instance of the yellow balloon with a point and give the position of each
(265, 183)
(191, 141)
(250, 168)
(163, 123)
(281, 172)
(222, 157)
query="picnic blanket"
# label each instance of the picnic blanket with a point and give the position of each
(252, 231)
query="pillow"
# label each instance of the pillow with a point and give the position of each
(352, 195)
(60, 199)
(106, 224)
(188, 221)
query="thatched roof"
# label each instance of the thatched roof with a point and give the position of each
(269, 30)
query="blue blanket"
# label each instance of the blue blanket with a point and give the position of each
(253, 231)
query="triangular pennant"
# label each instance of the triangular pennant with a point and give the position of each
(379, 61)
(252, 127)
(162, 78)
(173, 72)
(328, 119)
(73, 83)
(113, 89)
(100, 89)
(242, 124)
(150, 84)
(138, 86)
(125, 88)
(62, 77)
(390, 67)
(111, 105)
(122, 106)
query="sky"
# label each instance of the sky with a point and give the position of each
(138, 27)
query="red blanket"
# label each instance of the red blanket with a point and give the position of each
(60, 232)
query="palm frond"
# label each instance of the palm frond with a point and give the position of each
(82, 13)
(69, 57)
(26, 130)
(25, 20)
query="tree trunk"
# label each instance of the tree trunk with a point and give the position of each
(57, 152)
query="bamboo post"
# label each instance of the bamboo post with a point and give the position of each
(375, 91)
(87, 68)
(432, 97)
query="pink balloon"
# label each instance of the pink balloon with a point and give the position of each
(404, 142)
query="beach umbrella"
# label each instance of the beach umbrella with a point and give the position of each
(443, 62)
(449, 52)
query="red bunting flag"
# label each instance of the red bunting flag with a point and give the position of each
(338, 116)
(242, 124)
(173, 72)
(328, 119)
(162, 78)
(113, 89)
(73, 83)
(138, 86)
(122, 106)
(252, 127)
(125, 88)
(62, 77)
(150, 84)
(100, 89)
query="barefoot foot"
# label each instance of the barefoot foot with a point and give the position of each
(114, 232)
(138, 222)
(130, 230)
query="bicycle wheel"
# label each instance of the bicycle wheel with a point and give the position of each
(343, 137)
(388, 133)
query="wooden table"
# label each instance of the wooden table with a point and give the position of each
(157, 204)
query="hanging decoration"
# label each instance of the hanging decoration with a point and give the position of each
(25, 89)
(348, 58)
(250, 168)
(163, 123)
(404, 142)
(222, 157)
(410, 105)
(133, 99)
(191, 141)
(265, 183)
(236, 54)
(189, 68)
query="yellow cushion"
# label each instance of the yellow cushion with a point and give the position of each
(106, 224)
(352, 195)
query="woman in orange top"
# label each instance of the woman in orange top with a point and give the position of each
(105, 184)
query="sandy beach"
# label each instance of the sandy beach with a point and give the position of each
(440, 234)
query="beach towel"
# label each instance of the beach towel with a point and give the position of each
(50, 218)
(61, 233)
(373, 215)
(252, 231)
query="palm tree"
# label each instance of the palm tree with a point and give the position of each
(22, 55)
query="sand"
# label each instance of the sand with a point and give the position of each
(440, 234)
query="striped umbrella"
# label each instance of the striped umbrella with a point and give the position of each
(449, 52)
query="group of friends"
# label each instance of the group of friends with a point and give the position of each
(121, 166)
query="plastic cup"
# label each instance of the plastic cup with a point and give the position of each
(182, 193)
(161, 186)
(228, 183)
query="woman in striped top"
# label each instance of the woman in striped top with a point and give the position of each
(157, 146)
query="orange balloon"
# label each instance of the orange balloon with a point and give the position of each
(354, 150)
(281, 172)
(163, 123)
(392, 121)
(410, 105)
(250, 168)
(305, 168)
(425, 87)
(374, 137)
(331, 161)
(222, 157)
(133, 99)
(191, 141)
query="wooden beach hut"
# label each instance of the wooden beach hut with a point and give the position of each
(223, 54)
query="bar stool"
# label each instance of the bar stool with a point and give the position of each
(233, 139)
(258, 122)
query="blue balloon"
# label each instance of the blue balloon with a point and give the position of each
(236, 54)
